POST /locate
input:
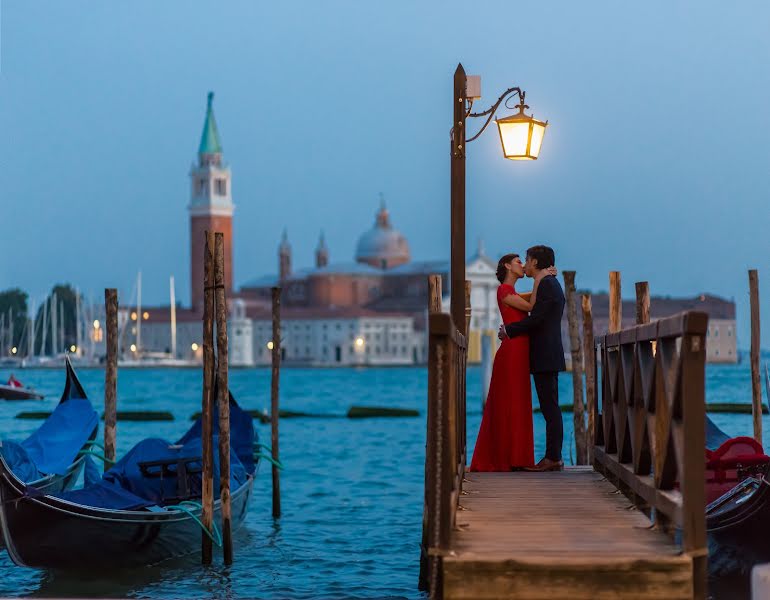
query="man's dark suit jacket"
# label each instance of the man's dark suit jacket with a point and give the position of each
(546, 353)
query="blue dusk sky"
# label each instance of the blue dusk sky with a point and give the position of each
(656, 161)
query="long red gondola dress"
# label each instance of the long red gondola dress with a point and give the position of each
(506, 439)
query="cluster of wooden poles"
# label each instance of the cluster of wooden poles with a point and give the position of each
(215, 368)
(584, 355)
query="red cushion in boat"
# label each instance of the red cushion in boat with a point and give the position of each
(736, 451)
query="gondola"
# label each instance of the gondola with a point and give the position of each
(738, 513)
(144, 510)
(53, 456)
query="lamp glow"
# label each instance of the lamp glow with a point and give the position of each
(133, 316)
(14, 350)
(521, 135)
(194, 347)
(359, 342)
(73, 348)
(270, 345)
(145, 315)
(97, 324)
(133, 347)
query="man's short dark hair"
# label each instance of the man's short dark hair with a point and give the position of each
(543, 255)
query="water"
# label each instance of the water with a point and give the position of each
(351, 490)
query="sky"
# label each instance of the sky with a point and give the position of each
(655, 162)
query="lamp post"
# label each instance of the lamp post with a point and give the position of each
(521, 136)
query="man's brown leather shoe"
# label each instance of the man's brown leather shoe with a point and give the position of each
(546, 464)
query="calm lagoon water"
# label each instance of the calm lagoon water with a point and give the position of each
(351, 490)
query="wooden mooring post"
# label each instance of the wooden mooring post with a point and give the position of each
(642, 302)
(589, 364)
(434, 293)
(578, 416)
(274, 397)
(207, 407)
(756, 389)
(616, 303)
(220, 304)
(111, 376)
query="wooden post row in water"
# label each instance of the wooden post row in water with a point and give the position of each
(274, 408)
(111, 375)
(578, 418)
(220, 304)
(756, 389)
(616, 304)
(589, 354)
(207, 407)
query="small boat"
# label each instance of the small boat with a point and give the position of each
(738, 513)
(144, 510)
(52, 457)
(14, 390)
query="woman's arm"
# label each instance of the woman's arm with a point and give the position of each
(519, 302)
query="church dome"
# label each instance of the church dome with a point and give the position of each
(382, 246)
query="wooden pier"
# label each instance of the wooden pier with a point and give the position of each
(632, 525)
(555, 536)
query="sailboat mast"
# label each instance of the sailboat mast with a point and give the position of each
(60, 320)
(172, 300)
(45, 326)
(31, 334)
(10, 327)
(54, 325)
(77, 322)
(139, 312)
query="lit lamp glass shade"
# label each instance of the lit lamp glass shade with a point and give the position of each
(521, 136)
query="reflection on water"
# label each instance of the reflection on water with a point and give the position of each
(351, 491)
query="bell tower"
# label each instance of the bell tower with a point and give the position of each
(211, 205)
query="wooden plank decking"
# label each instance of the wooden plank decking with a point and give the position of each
(553, 536)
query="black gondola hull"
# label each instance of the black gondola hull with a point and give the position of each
(42, 531)
(739, 530)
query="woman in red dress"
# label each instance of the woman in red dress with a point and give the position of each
(505, 440)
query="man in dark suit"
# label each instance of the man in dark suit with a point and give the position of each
(546, 353)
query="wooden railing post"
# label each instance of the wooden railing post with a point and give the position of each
(578, 417)
(756, 389)
(693, 472)
(445, 445)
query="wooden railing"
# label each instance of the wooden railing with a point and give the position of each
(649, 434)
(445, 449)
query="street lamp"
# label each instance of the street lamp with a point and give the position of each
(520, 136)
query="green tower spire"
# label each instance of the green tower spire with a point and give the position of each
(210, 138)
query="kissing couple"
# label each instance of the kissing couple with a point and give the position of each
(531, 343)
